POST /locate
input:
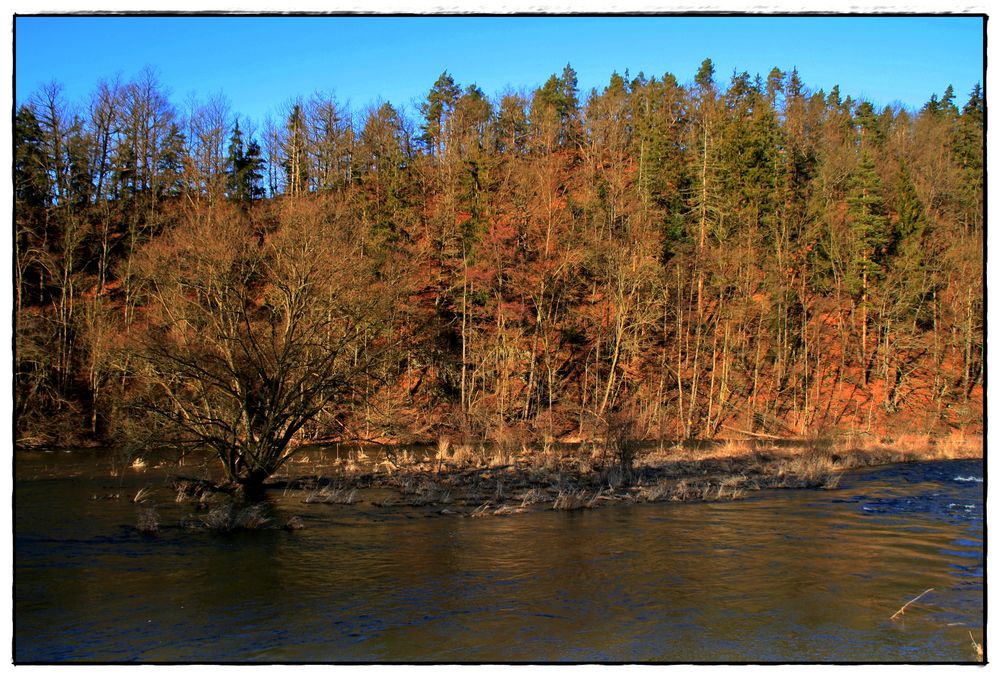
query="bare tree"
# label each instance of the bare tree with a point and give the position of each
(250, 336)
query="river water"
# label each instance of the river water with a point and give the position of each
(779, 576)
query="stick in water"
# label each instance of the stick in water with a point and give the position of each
(977, 646)
(903, 608)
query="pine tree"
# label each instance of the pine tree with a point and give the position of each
(31, 181)
(704, 77)
(870, 239)
(234, 165)
(868, 221)
(437, 109)
(244, 169)
(555, 110)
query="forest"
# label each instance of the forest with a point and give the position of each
(725, 256)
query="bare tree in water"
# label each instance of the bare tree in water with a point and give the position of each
(248, 335)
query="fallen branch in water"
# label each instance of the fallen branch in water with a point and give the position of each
(903, 608)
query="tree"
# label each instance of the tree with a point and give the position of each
(207, 127)
(247, 341)
(511, 125)
(331, 139)
(295, 160)
(555, 111)
(869, 228)
(244, 169)
(437, 110)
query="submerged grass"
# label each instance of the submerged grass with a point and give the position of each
(500, 478)
(329, 495)
(147, 521)
(233, 517)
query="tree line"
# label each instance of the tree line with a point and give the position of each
(690, 259)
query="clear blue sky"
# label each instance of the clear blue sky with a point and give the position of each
(260, 63)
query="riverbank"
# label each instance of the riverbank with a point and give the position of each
(491, 481)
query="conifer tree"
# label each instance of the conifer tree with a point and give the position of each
(244, 170)
(437, 110)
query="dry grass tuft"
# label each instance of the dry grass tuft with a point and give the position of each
(661, 491)
(851, 440)
(329, 495)
(142, 495)
(549, 458)
(682, 491)
(912, 442)
(958, 445)
(463, 455)
(574, 501)
(534, 496)
(812, 468)
(832, 481)
(192, 490)
(228, 517)
(441, 451)
(731, 488)
(734, 447)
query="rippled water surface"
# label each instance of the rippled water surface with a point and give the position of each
(777, 576)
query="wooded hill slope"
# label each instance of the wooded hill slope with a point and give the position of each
(683, 260)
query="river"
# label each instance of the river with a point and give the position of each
(779, 576)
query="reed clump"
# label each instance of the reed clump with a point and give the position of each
(570, 501)
(462, 455)
(534, 496)
(815, 468)
(734, 447)
(232, 517)
(958, 445)
(190, 489)
(331, 495)
(731, 488)
(661, 491)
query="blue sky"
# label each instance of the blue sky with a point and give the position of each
(260, 63)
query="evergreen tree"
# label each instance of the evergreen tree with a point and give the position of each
(234, 164)
(868, 222)
(910, 220)
(867, 124)
(555, 109)
(511, 125)
(31, 181)
(704, 77)
(948, 106)
(437, 109)
(244, 169)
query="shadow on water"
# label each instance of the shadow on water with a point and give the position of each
(778, 576)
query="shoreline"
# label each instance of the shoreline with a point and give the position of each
(558, 480)
(498, 480)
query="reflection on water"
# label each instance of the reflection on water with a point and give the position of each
(779, 576)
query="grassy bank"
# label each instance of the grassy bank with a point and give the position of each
(479, 481)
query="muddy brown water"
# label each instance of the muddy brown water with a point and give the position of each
(778, 576)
